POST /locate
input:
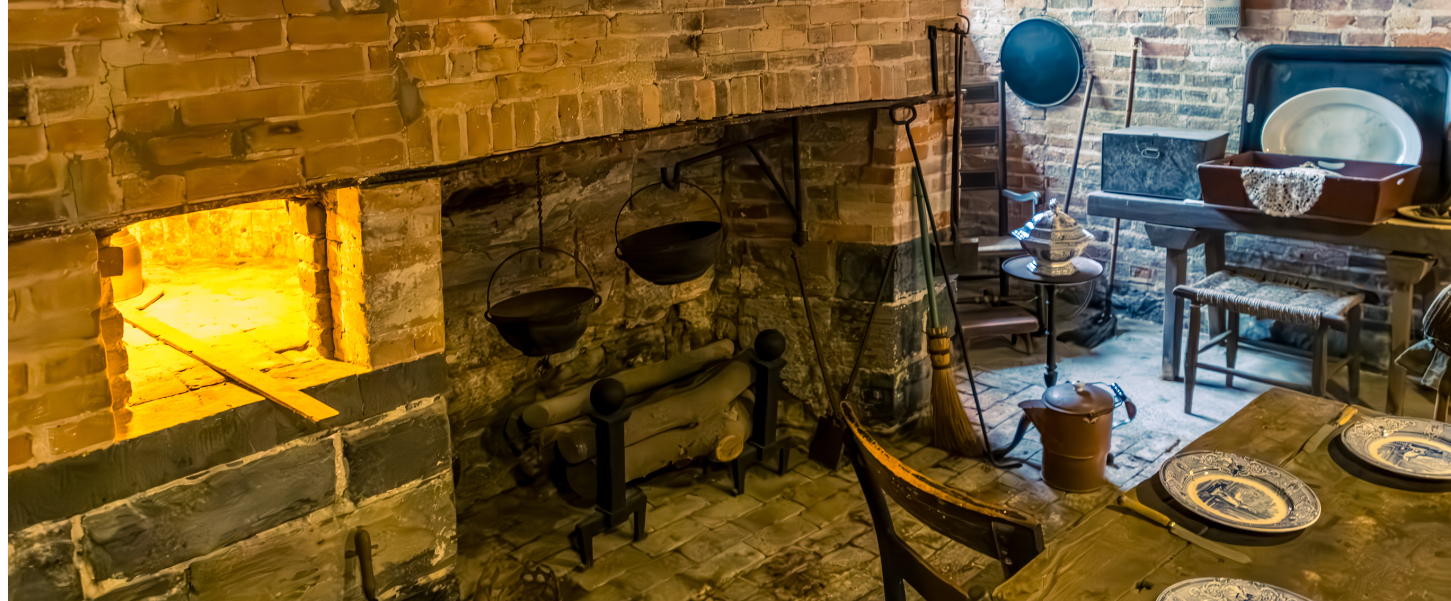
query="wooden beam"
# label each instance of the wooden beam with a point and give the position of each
(252, 379)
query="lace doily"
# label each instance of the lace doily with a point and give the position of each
(1284, 192)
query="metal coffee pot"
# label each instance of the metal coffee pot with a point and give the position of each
(1053, 238)
(1076, 422)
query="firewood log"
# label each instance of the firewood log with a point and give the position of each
(679, 405)
(571, 403)
(722, 438)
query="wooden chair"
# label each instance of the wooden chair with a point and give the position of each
(995, 531)
(1281, 298)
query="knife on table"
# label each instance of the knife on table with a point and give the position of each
(1326, 430)
(1128, 501)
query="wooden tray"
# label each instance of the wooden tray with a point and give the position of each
(1362, 192)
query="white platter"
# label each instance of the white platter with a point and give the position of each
(1343, 123)
(1406, 446)
(1226, 589)
(1240, 492)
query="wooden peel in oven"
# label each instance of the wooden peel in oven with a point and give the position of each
(252, 379)
(1356, 192)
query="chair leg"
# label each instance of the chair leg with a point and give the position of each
(1028, 342)
(1352, 349)
(1231, 347)
(1191, 359)
(1319, 375)
(892, 582)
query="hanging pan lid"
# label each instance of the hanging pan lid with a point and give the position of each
(1042, 62)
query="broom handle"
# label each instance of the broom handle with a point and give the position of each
(1117, 221)
(1082, 124)
(924, 210)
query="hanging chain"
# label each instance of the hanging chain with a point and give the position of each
(539, 200)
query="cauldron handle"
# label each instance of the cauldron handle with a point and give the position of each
(489, 290)
(719, 213)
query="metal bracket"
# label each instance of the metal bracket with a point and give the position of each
(672, 180)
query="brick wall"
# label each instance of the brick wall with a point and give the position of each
(1190, 76)
(120, 108)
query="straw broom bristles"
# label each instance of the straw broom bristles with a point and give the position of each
(951, 429)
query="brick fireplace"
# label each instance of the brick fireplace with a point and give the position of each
(322, 190)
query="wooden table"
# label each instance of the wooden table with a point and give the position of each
(1178, 226)
(1371, 542)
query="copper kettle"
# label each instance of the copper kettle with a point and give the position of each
(1076, 422)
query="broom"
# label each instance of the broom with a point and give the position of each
(951, 430)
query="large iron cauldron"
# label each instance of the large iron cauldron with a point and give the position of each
(543, 322)
(670, 254)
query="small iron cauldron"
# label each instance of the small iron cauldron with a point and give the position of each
(674, 253)
(543, 322)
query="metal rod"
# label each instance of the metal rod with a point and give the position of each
(1133, 80)
(811, 326)
(1082, 123)
(800, 236)
(956, 193)
(871, 316)
(932, 57)
(673, 181)
(1002, 155)
(775, 183)
(363, 545)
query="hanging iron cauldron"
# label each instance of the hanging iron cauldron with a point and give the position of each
(674, 253)
(542, 322)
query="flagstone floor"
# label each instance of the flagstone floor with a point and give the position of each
(807, 534)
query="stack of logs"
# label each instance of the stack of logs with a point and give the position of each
(694, 405)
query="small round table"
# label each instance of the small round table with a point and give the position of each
(1088, 270)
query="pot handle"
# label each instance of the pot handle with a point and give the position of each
(719, 213)
(489, 290)
(1129, 406)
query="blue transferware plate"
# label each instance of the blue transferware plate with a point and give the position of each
(1240, 492)
(1226, 589)
(1405, 446)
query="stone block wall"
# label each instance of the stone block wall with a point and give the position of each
(1190, 76)
(255, 230)
(119, 109)
(252, 503)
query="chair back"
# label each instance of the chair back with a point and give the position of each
(1010, 536)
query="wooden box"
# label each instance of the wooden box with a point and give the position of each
(1357, 192)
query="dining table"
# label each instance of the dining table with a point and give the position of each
(1410, 249)
(1376, 537)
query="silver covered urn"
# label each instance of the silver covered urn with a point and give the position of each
(1053, 238)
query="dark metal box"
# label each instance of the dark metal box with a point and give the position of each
(1158, 161)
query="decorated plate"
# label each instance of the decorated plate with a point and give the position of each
(1240, 492)
(1423, 213)
(1343, 123)
(1226, 589)
(1419, 448)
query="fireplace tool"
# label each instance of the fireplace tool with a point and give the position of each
(673, 253)
(993, 457)
(542, 322)
(1105, 326)
(951, 430)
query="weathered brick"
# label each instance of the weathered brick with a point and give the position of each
(34, 178)
(379, 121)
(337, 95)
(185, 148)
(307, 7)
(27, 141)
(419, 10)
(50, 25)
(238, 106)
(1432, 40)
(141, 194)
(835, 13)
(643, 24)
(554, 82)
(198, 76)
(421, 525)
(42, 563)
(467, 94)
(74, 365)
(384, 455)
(355, 159)
(61, 403)
(538, 56)
(733, 18)
(420, 142)
(266, 566)
(250, 9)
(380, 59)
(20, 449)
(26, 63)
(45, 257)
(496, 60)
(89, 431)
(177, 11)
(301, 133)
(223, 180)
(222, 37)
(96, 192)
(429, 67)
(225, 505)
(477, 33)
(61, 100)
(345, 29)
(309, 65)
(71, 136)
(146, 117)
(568, 28)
